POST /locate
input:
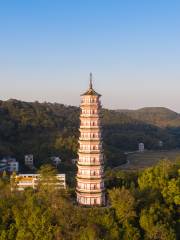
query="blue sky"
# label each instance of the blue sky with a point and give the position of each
(48, 48)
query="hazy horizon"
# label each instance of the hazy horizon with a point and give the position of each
(47, 50)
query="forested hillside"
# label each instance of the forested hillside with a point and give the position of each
(159, 116)
(46, 129)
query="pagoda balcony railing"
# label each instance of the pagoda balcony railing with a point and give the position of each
(90, 126)
(90, 138)
(90, 151)
(91, 104)
(87, 176)
(90, 190)
(86, 146)
(95, 115)
(90, 163)
(82, 163)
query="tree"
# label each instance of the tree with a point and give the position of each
(123, 202)
(171, 192)
(47, 180)
(131, 232)
(156, 177)
(157, 222)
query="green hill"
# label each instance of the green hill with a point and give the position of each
(159, 116)
(48, 129)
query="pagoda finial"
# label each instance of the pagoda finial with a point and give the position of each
(90, 81)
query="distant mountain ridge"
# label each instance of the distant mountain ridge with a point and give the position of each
(159, 116)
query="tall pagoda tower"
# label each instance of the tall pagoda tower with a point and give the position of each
(90, 175)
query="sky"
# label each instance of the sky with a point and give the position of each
(49, 47)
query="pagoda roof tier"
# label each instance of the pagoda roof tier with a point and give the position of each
(97, 106)
(100, 163)
(91, 151)
(89, 154)
(81, 140)
(91, 92)
(90, 191)
(91, 167)
(89, 194)
(85, 130)
(90, 181)
(91, 116)
(89, 104)
(89, 177)
(90, 127)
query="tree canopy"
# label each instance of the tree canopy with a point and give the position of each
(140, 206)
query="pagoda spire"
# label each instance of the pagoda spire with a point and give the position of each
(90, 81)
(91, 91)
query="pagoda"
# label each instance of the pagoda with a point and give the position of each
(90, 175)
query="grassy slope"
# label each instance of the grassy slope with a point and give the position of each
(138, 160)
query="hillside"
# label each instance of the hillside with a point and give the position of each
(159, 116)
(48, 129)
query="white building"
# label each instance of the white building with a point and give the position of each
(28, 160)
(141, 147)
(9, 164)
(31, 180)
(3, 167)
(74, 160)
(13, 166)
(56, 160)
(160, 144)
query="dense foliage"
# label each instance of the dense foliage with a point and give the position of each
(46, 129)
(141, 206)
